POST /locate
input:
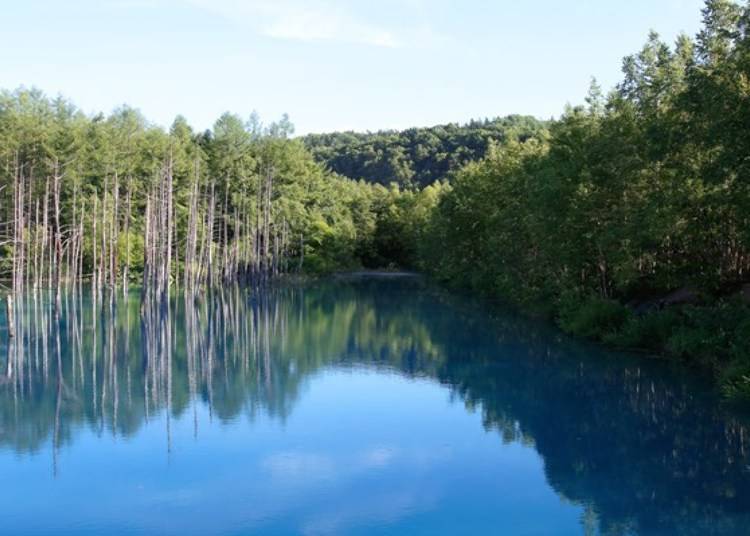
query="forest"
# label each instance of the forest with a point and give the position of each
(115, 200)
(416, 157)
(626, 220)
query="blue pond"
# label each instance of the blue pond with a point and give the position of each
(357, 405)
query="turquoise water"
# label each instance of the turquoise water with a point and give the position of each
(351, 406)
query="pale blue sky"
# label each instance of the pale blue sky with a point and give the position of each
(330, 64)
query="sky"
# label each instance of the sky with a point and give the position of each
(330, 64)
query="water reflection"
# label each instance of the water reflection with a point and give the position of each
(642, 447)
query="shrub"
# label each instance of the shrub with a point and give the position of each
(594, 318)
(649, 332)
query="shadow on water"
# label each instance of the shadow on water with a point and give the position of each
(643, 446)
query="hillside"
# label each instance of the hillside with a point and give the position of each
(415, 157)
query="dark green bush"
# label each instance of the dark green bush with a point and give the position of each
(649, 332)
(716, 335)
(593, 318)
(735, 378)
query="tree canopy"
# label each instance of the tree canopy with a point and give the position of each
(416, 157)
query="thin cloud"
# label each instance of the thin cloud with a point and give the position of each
(308, 21)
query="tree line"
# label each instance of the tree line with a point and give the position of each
(416, 157)
(114, 201)
(628, 218)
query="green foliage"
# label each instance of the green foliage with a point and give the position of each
(416, 157)
(321, 217)
(735, 379)
(637, 194)
(650, 332)
(716, 336)
(713, 334)
(130, 246)
(593, 318)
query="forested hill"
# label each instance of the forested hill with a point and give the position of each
(416, 156)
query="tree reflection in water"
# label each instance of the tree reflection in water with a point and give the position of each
(644, 447)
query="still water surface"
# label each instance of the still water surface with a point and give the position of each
(353, 406)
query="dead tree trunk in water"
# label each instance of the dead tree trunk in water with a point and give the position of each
(18, 227)
(95, 265)
(104, 260)
(192, 235)
(210, 236)
(38, 249)
(45, 235)
(11, 317)
(126, 264)
(169, 217)
(114, 235)
(58, 231)
(158, 235)
(147, 245)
